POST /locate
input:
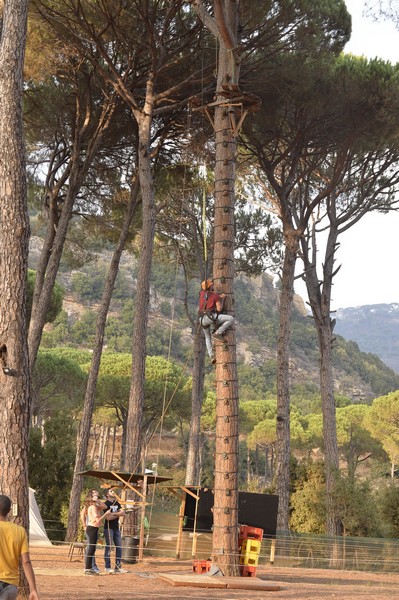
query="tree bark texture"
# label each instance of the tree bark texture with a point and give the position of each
(14, 247)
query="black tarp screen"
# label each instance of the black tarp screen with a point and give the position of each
(255, 510)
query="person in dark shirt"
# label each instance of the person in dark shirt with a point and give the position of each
(112, 533)
(209, 312)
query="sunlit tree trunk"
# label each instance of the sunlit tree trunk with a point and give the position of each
(14, 236)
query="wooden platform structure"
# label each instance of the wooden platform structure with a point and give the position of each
(137, 483)
(216, 582)
(236, 102)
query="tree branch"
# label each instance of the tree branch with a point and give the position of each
(205, 17)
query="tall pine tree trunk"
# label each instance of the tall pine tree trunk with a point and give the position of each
(282, 473)
(320, 302)
(83, 435)
(14, 238)
(224, 26)
(133, 456)
(331, 455)
(194, 444)
(136, 396)
(225, 510)
(14, 248)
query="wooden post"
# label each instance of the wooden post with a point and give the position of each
(195, 534)
(142, 523)
(272, 551)
(122, 501)
(194, 545)
(181, 521)
(185, 490)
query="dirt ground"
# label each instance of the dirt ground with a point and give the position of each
(59, 578)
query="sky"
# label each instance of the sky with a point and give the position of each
(375, 238)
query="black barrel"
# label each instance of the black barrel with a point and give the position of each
(130, 549)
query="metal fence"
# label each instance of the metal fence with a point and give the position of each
(287, 550)
(348, 553)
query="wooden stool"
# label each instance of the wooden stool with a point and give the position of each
(79, 546)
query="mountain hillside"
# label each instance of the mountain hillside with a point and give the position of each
(358, 375)
(375, 328)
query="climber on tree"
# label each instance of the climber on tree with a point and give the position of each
(210, 308)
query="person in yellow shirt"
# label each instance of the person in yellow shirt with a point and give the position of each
(13, 546)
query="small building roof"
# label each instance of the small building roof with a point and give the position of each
(125, 476)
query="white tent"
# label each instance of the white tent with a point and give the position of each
(37, 531)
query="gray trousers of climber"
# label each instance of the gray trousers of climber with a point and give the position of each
(225, 321)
